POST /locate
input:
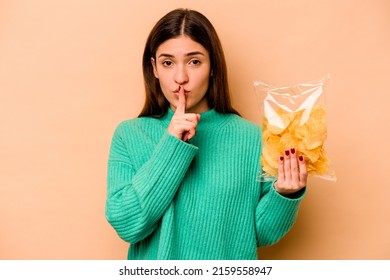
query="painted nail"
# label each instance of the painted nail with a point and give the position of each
(301, 158)
(281, 158)
(287, 152)
(292, 151)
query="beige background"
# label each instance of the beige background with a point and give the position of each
(70, 71)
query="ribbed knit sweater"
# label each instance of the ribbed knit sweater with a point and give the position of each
(193, 200)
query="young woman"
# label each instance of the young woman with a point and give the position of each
(182, 176)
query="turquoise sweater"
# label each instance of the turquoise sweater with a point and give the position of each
(198, 200)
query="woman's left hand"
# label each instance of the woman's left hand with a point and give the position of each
(292, 173)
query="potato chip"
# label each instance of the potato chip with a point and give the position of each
(268, 154)
(308, 138)
(267, 168)
(312, 155)
(313, 132)
(278, 123)
(287, 140)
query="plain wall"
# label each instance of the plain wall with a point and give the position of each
(70, 71)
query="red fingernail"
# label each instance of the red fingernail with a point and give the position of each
(292, 151)
(301, 158)
(287, 152)
(281, 158)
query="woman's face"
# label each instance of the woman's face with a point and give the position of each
(182, 62)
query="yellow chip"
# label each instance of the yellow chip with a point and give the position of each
(287, 141)
(279, 122)
(312, 155)
(308, 138)
(268, 155)
(267, 168)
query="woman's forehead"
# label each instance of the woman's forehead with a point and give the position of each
(181, 45)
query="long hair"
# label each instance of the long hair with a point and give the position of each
(198, 28)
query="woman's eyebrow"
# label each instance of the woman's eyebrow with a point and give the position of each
(166, 55)
(188, 54)
(195, 53)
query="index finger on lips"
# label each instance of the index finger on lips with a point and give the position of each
(181, 105)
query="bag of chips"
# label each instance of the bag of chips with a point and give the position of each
(293, 116)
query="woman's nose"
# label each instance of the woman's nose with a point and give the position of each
(181, 75)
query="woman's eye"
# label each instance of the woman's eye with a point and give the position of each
(167, 63)
(195, 62)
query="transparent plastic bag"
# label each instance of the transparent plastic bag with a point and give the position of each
(294, 116)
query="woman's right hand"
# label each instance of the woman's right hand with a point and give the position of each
(183, 125)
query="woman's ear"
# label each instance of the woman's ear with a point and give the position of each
(154, 67)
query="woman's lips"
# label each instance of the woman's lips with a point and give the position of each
(176, 92)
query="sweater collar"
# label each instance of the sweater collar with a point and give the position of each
(208, 120)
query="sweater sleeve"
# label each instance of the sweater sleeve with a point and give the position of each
(275, 214)
(137, 199)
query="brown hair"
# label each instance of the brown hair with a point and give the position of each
(198, 28)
